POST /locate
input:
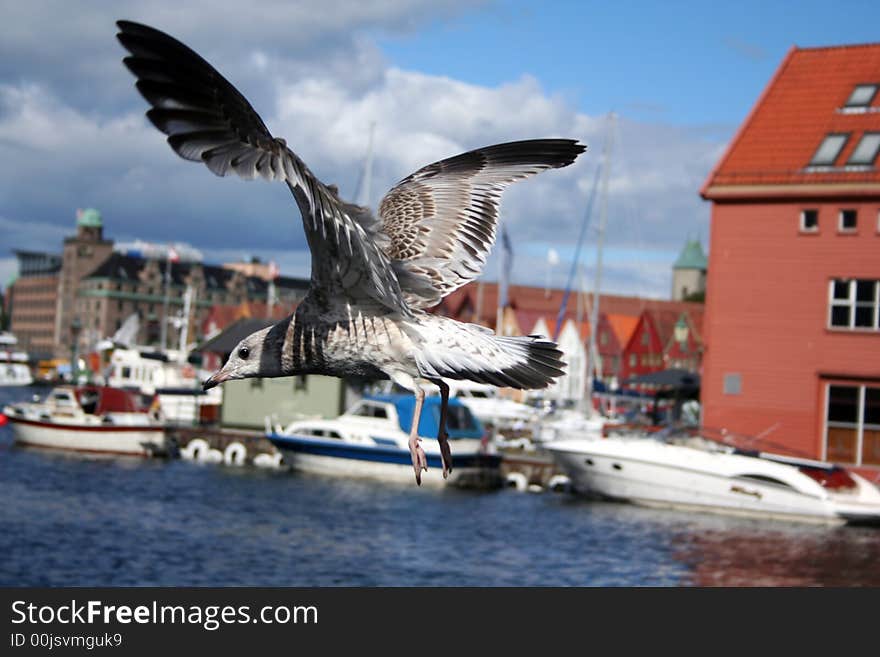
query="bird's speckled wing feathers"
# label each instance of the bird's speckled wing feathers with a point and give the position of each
(441, 220)
(207, 120)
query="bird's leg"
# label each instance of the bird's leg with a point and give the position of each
(442, 436)
(419, 460)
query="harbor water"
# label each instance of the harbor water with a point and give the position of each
(69, 520)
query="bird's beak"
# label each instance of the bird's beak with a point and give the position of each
(216, 378)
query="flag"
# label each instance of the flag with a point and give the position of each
(173, 255)
(506, 266)
(552, 257)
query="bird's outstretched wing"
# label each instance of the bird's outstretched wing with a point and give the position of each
(207, 120)
(441, 220)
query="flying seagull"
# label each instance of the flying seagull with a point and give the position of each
(373, 277)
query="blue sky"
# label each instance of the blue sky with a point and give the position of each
(679, 62)
(437, 78)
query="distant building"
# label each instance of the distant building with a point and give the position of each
(535, 310)
(93, 286)
(684, 348)
(689, 272)
(572, 341)
(612, 337)
(124, 284)
(644, 351)
(32, 302)
(81, 254)
(793, 309)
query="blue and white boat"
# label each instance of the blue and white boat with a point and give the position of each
(370, 440)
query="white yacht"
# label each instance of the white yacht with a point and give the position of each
(707, 476)
(14, 368)
(371, 440)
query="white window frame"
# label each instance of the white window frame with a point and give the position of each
(825, 146)
(840, 226)
(869, 163)
(803, 224)
(852, 303)
(864, 85)
(860, 418)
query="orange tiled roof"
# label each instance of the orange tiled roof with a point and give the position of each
(537, 300)
(623, 326)
(803, 103)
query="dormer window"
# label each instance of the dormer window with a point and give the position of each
(862, 95)
(866, 150)
(829, 149)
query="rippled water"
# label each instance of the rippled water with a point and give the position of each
(70, 520)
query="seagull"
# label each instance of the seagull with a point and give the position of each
(373, 276)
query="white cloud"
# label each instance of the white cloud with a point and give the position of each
(59, 152)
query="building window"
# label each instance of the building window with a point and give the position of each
(633, 360)
(646, 340)
(854, 304)
(852, 424)
(866, 150)
(862, 95)
(848, 221)
(809, 221)
(829, 149)
(733, 383)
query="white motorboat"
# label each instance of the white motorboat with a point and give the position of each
(570, 424)
(488, 406)
(94, 419)
(177, 385)
(14, 369)
(708, 476)
(371, 440)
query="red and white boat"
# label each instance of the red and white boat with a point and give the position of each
(97, 419)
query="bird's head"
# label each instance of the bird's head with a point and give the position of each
(252, 357)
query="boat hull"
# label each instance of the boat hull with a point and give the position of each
(686, 481)
(389, 463)
(119, 440)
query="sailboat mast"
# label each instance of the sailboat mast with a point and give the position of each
(184, 327)
(592, 355)
(363, 196)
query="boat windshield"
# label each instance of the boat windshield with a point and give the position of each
(366, 409)
(458, 418)
(88, 401)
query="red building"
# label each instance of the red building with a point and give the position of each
(791, 328)
(654, 340)
(612, 337)
(684, 347)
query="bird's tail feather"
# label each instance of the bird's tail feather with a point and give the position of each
(523, 362)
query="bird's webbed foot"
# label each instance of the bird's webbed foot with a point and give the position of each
(419, 460)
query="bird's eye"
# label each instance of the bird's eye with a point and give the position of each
(243, 353)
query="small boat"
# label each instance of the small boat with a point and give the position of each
(371, 438)
(706, 476)
(88, 418)
(14, 370)
(489, 407)
(177, 385)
